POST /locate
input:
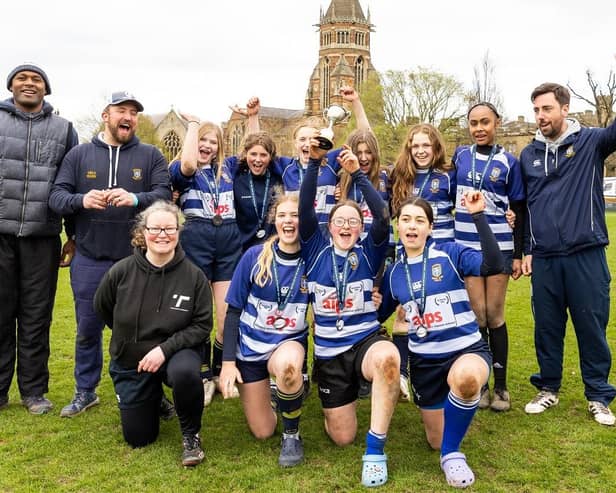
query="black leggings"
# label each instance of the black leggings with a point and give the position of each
(140, 425)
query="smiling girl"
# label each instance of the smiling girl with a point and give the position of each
(485, 166)
(449, 361)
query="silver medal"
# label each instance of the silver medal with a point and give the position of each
(339, 324)
(280, 323)
(422, 332)
(261, 234)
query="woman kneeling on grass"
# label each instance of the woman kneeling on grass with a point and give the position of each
(349, 346)
(449, 361)
(266, 332)
(159, 308)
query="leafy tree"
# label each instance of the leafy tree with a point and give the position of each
(436, 96)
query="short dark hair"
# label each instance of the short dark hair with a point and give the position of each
(561, 93)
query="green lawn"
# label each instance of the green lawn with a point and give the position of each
(561, 450)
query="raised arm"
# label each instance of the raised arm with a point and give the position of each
(350, 95)
(190, 148)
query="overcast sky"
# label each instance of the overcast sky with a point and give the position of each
(201, 56)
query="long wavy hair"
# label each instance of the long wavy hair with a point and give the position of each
(355, 138)
(405, 169)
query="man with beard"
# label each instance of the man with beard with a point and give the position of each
(565, 252)
(103, 185)
(33, 141)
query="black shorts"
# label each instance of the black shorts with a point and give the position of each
(252, 371)
(429, 376)
(135, 389)
(508, 268)
(339, 378)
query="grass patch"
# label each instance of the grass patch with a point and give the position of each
(560, 450)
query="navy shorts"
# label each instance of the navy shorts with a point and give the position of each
(429, 375)
(252, 371)
(508, 256)
(339, 378)
(216, 250)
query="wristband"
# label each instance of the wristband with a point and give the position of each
(135, 200)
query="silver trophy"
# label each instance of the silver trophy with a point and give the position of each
(334, 114)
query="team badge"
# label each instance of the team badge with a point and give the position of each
(353, 260)
(437, 272)
(137, 174)
(434, 185)
(303, 285)
(570, 152)
(91, 174)
(494, 174)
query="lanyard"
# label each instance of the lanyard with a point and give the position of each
(357, 195)
(485, 170)
(301, 172)
(423, 185)
(283, 301)
(421, 306)
(253, 196)
(340, 279)
(213, 189)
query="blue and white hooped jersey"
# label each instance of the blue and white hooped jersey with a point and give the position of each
(500, 183)
(197, 192)
(439, 189)
(356, 195)
(292, 174)
(448, 317)
(357, 310)
(259, 336)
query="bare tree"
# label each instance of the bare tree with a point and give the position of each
(436, 96)
(602, 101)
(484, 87)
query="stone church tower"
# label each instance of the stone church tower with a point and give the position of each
(344, 54)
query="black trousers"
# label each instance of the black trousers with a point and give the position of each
(139, 396)
(28, 279)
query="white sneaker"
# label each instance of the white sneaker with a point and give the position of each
(209, 388)
(405, 394)
(542, 401)
(601, 413)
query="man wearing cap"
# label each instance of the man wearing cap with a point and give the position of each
(103, 185)
(33, 141)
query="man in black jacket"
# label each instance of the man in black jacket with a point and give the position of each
(33, 141)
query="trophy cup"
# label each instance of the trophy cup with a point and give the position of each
(334, 114)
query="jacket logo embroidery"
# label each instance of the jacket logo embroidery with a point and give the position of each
(137, 174)
(570, 152)
(91, 174)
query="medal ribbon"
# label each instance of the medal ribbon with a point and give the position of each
(341, 285)
(423, 185)
(485, 170)
(421, 305)
(253, 196)
(283, 301)
(213, 189)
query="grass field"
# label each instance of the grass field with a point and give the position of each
(561, 450)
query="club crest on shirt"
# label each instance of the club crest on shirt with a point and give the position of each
(353, 260)
(434, 185)
(303, 285)
(494, 174)
(570, 152)
(137, 174)
(91, 174)
(437, 272)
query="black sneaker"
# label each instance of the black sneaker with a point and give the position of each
(166, 410)
(82, 401)
(291, 452)
(4, 401)
(37, 404)
(193, 454)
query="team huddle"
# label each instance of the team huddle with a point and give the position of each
(325, 246)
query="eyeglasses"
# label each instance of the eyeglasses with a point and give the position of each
(339, 222)
(168, 231)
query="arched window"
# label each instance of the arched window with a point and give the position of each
(236, 139)
(171, 145)
(359, 71)
(325, 83)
